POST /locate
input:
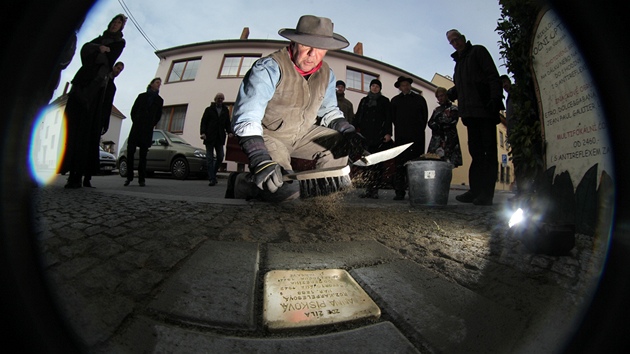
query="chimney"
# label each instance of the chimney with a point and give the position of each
(245, 33)
(358, 49)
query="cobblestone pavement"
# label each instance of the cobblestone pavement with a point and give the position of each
(107, 252)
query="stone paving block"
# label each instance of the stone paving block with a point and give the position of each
(148, 336)
(327, 255)
(439, 315)
(215, 287)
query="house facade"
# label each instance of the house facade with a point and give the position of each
(193, 74)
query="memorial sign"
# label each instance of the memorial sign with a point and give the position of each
(573, 121)
(306, 298)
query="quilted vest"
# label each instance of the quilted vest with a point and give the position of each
(293, 107)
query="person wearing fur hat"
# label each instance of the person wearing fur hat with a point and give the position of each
(373, 120)
(409, 115)
(83, 109)
(286, 108)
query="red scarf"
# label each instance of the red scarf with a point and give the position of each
(300, 71)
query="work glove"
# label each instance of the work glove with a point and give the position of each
(264, 171)
(353, 142)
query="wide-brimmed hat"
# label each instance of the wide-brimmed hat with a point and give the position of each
(401, 79)
(316, 32)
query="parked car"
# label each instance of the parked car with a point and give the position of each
(168, 153)
(107, 161)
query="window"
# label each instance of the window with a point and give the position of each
(501, 139)
(237, 65)
(359, 80)
(184, 70)
(173, 119)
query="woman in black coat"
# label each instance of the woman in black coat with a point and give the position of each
(373, 120)
(145, 114)
(83, 109)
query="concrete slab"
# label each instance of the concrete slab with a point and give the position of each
(436, 314)
(327, 255)
(215, 287)
(148, 336)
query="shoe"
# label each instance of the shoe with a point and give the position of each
(72, 185)
(127, 183)
(212, 183)
(87, 184)
(229, 192)
(467, 197)
(141, 183)
(482, 201)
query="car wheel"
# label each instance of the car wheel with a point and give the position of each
(179, 168)
(122, 168)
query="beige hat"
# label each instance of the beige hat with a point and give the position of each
(316, 32)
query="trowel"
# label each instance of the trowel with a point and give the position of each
(372, 159)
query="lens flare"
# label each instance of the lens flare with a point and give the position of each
(516, 218)
(47, 145)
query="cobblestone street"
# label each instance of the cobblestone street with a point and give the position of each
(108, 253)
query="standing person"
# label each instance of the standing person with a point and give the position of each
(479, 95)
(215, 123)
(373, 120)
(409, 115)
(443, 123)
(145, 114)
(286, 107)
(85, 101)
(105, 113)
(344, 104)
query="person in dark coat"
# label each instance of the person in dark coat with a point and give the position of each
(373, 121)
(343, 103)
(108, 98)
(409, 115)
(480, 99)
(85, 101)
(215, 124)
(145, 114)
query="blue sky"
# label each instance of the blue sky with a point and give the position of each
(409, 34)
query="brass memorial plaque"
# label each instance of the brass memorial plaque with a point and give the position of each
(306, 298)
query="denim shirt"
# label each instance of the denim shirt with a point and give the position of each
(257, 89)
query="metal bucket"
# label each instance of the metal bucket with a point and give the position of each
(429, 182)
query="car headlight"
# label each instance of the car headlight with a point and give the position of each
(200, 154)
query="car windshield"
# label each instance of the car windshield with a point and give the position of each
(176, 138)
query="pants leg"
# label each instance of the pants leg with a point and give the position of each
(210, 159)
(131, 151)
(482, 145)
(142, 164)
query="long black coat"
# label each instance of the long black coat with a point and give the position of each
(85, 102)
(477, 88)
(215, 126)
(373, 122)
(409, 115)
(145, 114)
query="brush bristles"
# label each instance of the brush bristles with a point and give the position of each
(324, 186)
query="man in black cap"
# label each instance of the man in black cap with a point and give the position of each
(479, 95)
(344, 104)
(409, 115)
(286, 107)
